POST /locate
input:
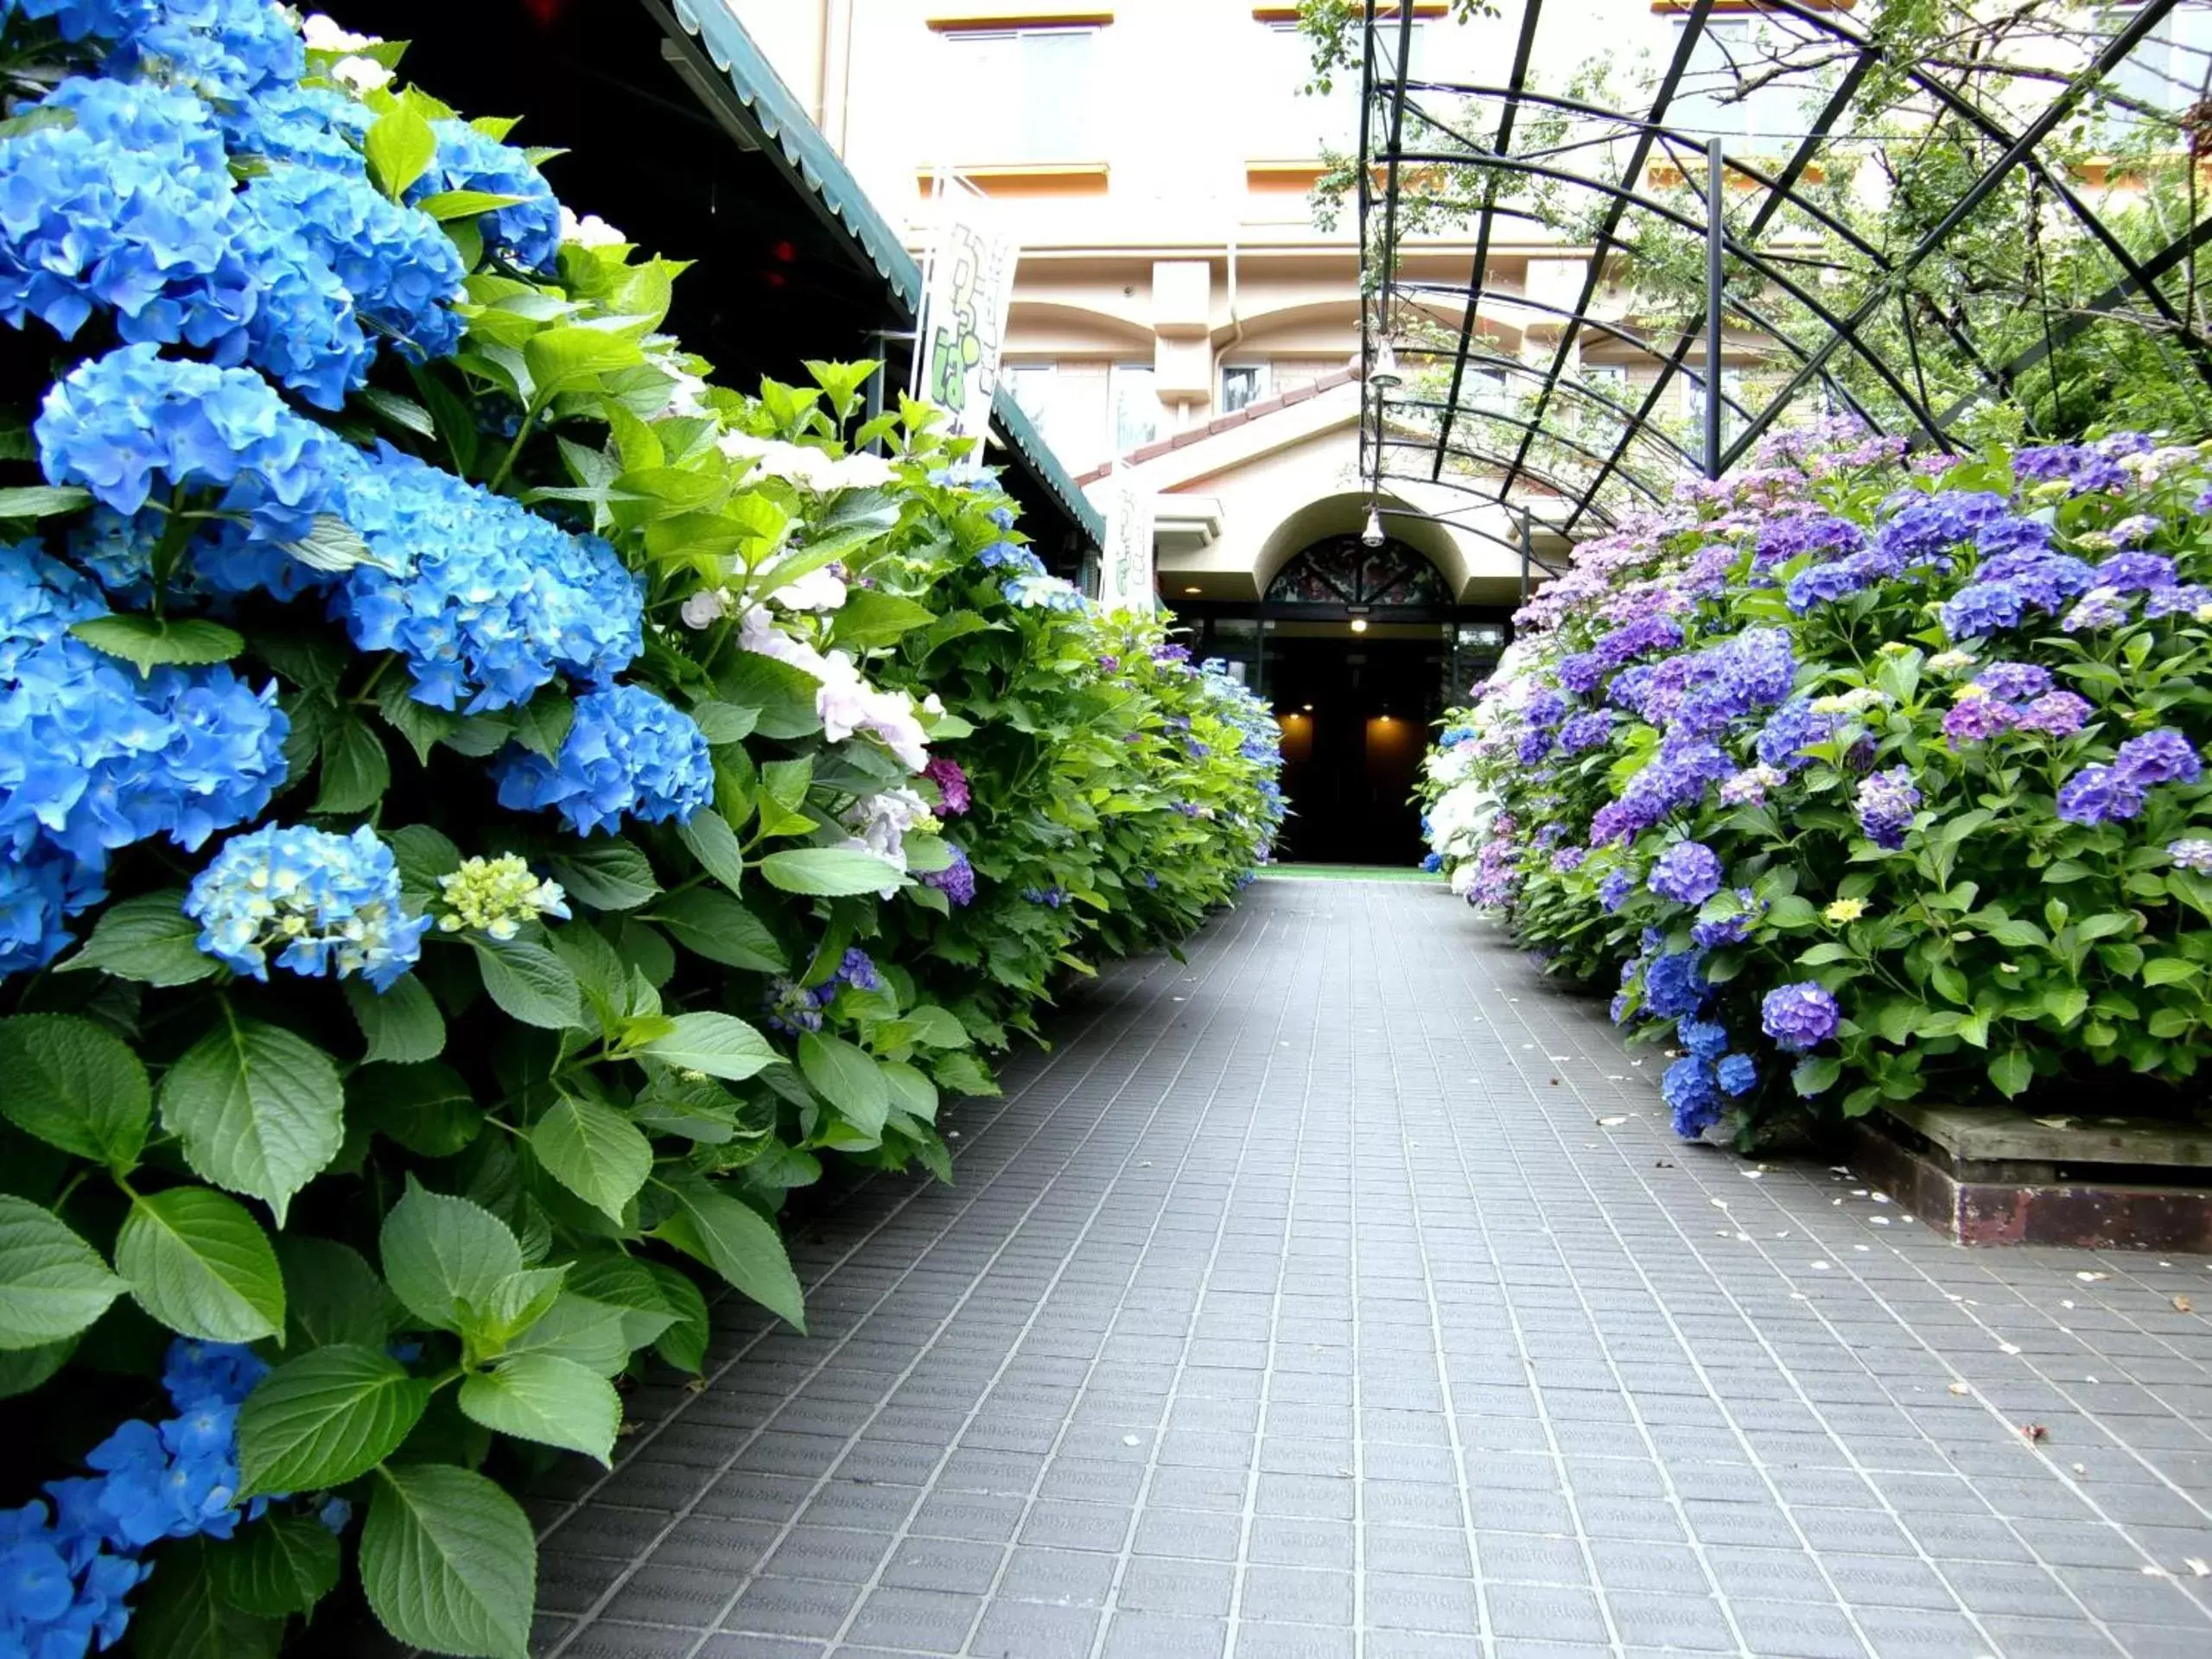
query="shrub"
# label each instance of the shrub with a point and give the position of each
(487, 812)
(1873, 779)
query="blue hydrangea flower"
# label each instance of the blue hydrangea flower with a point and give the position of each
(77, 20)
(790, 1007)
(1042, 593)
(1887, 801)
(1783, 538)
(1983, 608)
(1737, 1074)
(1799, 1016)
(486, 600)
(2132, 573)
(1674, 985)
(1676, 777)
(2099, 794)
(302, 332)
(122, 423)
(229, 51)
(1695, 1102)
(2044, 580)
(1011, 556)
(2083, 466)
(94, 757)
(1792, 729)
(400, 269)
(1688, 873)
(526, 233)
(2161, 757)
(628, 754)
(2013, 681)
(331, 902)
(307, 126)
(126, 208)
(1706, 1038)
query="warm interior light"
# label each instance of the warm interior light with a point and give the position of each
(1194, 590)
(1306, 707)
(1359, 624)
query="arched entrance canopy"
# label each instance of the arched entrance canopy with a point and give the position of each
(1344, 571)
(1907, 334)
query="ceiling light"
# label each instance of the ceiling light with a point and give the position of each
(1359, 624)
(1307, 707)
(1384, 375)
(1194, 590)
(1372, 535)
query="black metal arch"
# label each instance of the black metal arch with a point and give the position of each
(1406, 130)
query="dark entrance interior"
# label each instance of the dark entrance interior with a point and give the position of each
(1355, 712)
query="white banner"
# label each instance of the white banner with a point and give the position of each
(1126, 581)
(970, 293)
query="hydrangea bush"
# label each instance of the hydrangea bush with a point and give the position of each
(488, 813)
(1869, 778)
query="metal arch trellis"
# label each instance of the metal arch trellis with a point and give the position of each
(1395, 101)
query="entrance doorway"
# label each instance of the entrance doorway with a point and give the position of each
(1356, 712)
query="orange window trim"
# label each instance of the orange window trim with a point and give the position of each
(976, 22)
(1028, 179)
(1289, 14)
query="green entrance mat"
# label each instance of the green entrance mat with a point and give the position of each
(1345, 873)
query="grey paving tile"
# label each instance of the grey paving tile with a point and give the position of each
(1295, 1320)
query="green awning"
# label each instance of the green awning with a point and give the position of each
(758, 102)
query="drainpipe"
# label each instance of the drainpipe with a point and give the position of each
(1235, 322)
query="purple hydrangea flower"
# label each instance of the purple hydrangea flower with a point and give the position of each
(2100, 608)
(1569, 858)
(1975, 720)
(2134, 572)
(1691, 1096)
(1982, 607)
(1613, 891)
(2160, 757)
(2060, 713)
(1688, 873)
(1737, 1074)
(1799, 1016)
(2099, 795)
(1887, 801)
(2014, 681)
(2191, 853)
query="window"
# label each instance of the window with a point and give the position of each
(2171, 69)
(1608, 380)
(1486, 389)
(1023, 94)
(1283, 119)
(1135, 407)
(1729, 51)
(1731, 391)
(1035, 387)
(1242, 384)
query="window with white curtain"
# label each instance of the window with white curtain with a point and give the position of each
(1023, 95)
(1035, 387)
(1242, 384)
(1134, 407)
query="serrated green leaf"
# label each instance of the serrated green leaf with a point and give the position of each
(720, 1045)
(847, 1078)
(531, 983)
(258, 1109)
(52, 1285)
(545, 1398)
(199, 1263)
(332, 1295)
(448, 1562)
(443, 1255)
(399, 146)
(149, 939)
(355, 771)
(425, 1106)
(731, 1238)
(324, 1418)
(715, 927)
(829, 871)
(593, 1151)
(180, 1615)
(278, 1566)
(714, 844)
(331, 546)
(147, 642)
(464, 203)
(606, 872)
(75, 1085)
(2011, 1072)
(400, 1024)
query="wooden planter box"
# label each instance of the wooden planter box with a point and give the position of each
(1994, 1175)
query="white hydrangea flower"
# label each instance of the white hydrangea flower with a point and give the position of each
(590, 232)
(818, 590)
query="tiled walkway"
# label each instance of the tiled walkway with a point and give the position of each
(1342, 1292)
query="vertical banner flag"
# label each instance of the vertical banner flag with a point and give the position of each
(970, 293)
(1125, 577)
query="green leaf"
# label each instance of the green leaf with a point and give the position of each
(147, 643)
(400, 145)
(258, 1109)
(847, 1078)
(443, 205)
(870, 617)
(444, 1255)
(714, 844)
(402, 412)
(278, 1566)
(963, 1074)
(531, 984)
(52, 1285)
(606, 874)
(593, 1151)
(545, 1398)
(720, 1045)
(420, 726)
(2011, 1071)
(448, 1562)
(355, 771)
(2169, 970)
(724, 722)
(715, 927)
(402, 1024)
(42, 500)
(423, 855)
(149, 939)
(326, 1417)
(332, 1294)
(730, 1238)
(627, 1284)
(937, 1027)
(1816, 1075)
(911, 1091)
(576, 1328)
(684, 1345)
(199, 1263)
(542, 724)
(75, 1085)
(22, 1370)
(829, 871)
(182, 1617)
(567, 359)
(425, 1106)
